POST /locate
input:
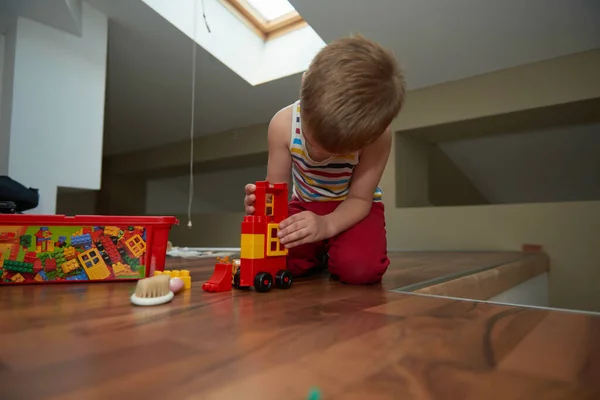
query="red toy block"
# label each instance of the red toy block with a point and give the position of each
(50, 265)
(37, 265)
(220, 281)
(30, 257)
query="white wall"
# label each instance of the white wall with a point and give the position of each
(4, 136)
(532, 292)
(2, 45)
(560, 164)
(58, 106)
(6, 82)
(288, 54)
(220, 191)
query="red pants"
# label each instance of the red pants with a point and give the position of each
(357, 256)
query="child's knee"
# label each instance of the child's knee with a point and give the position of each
(359, 269)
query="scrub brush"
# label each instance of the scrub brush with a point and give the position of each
(152, 291)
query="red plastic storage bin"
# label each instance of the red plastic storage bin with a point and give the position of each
(58, 248)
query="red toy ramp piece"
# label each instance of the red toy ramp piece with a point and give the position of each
(220, 281)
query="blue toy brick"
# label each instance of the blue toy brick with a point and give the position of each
(81, 240)
(81, 276)
(43, 275)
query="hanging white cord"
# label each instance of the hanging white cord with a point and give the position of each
(193, 112)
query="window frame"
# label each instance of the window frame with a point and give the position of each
(267, 30)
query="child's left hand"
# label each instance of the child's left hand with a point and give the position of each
(301, 228)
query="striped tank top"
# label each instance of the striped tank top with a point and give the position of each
(327, 180)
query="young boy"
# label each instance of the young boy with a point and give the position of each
(335, 142)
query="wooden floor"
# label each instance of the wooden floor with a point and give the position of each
(87, 342)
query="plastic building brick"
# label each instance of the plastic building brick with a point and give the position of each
(110, 249)
(183, 274)
(112, 230)
(69, 266)
(96, 235)
(136, 245)
(222, 277)
(37, 266)
(93, 265)
(18, 266)
(78, 277)
(69, 253)
(186, 278)
(61, 242)
(59, 256)
(263, 259)
(43, 240)
(50, 264)
(120, 269)
(83, 240)
(30, 256)
(25, 241)
(7, 237)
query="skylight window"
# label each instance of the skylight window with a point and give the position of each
(268, 18)
(272, 9)
(242, 33)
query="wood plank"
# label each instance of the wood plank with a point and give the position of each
(87, 341)
(491, 282)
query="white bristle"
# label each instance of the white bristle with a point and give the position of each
(152, 291)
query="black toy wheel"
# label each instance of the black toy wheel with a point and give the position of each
(283, 279)
(236, 279)
(263, 281)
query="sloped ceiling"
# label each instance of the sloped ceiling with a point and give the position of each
(439, 41)
(60, 14)
(436, 41)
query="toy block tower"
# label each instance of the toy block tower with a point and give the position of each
(262, 256)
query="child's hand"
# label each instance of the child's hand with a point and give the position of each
(250, 198)
(301, 228)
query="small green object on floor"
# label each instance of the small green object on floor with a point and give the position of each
(314, 394)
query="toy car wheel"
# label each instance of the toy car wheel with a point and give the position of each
(283, 279)
(263, 281)
(236, 279)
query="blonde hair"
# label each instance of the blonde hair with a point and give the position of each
(350, 94)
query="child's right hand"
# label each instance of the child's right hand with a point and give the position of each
(250, 198)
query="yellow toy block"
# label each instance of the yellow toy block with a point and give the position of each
(274, 247)
(69, 266)
(136, 245)
(187, 279)
(183, 274)
(93, 265)
(121, 269)
(17, 278)
(111, 230)
(69, 252)
(253, 246)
